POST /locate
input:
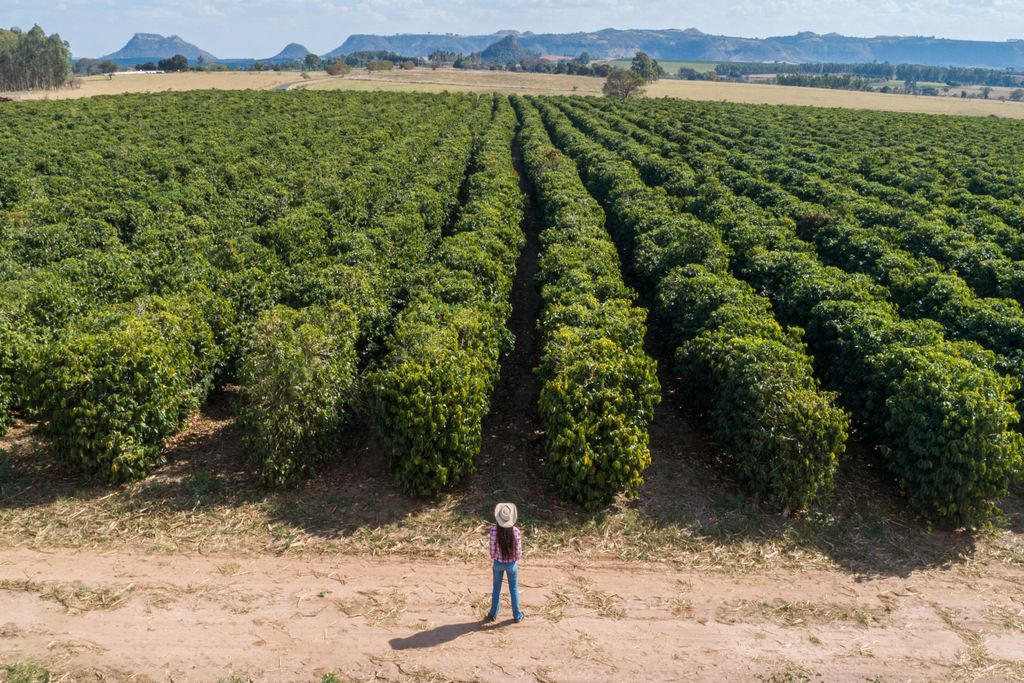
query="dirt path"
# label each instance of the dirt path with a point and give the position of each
(273, 619)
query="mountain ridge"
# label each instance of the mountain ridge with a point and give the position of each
(691, 44)
(291, 52)
(143, 47)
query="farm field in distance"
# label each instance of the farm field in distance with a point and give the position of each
(267, 359)
(426, 80)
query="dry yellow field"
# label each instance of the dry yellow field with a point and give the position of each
(426, 80)
(753, 93)
(220, 80)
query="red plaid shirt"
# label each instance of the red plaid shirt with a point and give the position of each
(496, 550)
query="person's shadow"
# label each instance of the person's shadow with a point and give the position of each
(443, 634)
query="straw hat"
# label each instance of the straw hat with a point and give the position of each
(505, 514)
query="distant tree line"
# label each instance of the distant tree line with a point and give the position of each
(834, 81)
(952, 76)
(33, 60)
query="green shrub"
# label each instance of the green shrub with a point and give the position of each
(754, 378)
(596, 401)
(433, 388)
(433, 391)
(767, 410)
(117, 383)
(299, 380)
(949, 442)
(598, 387)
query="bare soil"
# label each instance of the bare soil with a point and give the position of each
(203, 618)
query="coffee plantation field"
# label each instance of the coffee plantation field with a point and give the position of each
(349, 258)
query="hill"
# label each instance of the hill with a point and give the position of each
(145, 47)
(292, 52)
(506, 51)
(694, 45)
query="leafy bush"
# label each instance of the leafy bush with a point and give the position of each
(299, 380)
(596, 403)
(949, 440)
(755, 379)
(118, 383)
(598, 387)
(433, 388)
(433, 392)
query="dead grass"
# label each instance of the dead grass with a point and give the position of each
(689, 513)
(75, 598)
(376, 607)
(754, 93)
(78, 598)
(799, 613)
(426, 80)
(172, 82)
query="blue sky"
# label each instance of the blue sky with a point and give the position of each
(259, 28)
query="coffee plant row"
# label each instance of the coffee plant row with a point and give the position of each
(905, 341)
(345, 254)
(154, 247)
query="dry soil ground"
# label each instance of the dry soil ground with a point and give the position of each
(112, 616)
(427, 80)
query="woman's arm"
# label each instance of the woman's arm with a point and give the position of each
(519, 544)
(492, 542)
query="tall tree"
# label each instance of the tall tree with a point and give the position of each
(175, 63)
(646, 67)
(623, 83)
(33, 60)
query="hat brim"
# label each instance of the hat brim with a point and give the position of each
(511, 521)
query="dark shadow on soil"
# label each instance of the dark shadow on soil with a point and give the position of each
(206, 469)
(444, 634)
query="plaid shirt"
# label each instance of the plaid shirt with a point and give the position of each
(496, 551)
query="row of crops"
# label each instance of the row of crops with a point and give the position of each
(814, 272)
(925, 360)
(155, 248)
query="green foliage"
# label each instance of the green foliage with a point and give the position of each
(755, 379)
(646, 67)
(434, 393)
(308, 204)
(956, 461)
(115, 385)
(25, 672)
(598, 387)
(899, 377)
(623, 84)
(175, 63)
(596, 408)
(33, 60)
(299, 381)
(434, 386)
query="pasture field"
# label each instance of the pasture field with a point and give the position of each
(267, 360)
(452, 80)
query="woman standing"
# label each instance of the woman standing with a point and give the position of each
(506, 545)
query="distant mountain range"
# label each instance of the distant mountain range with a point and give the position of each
(693, 45)
(689, 44)
(147, 47)
(151, 47)
(293, 52)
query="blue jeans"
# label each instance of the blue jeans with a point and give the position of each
(500, 569)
